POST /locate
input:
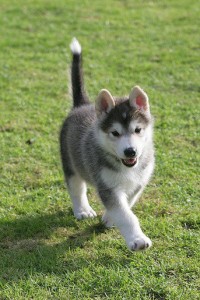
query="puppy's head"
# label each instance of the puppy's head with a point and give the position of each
(125, 125)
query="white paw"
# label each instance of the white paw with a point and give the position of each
(83, 213)
(139, 242)
(107, 221)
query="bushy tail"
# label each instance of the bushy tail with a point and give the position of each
(79, 94)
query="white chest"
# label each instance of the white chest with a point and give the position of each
(126, 180)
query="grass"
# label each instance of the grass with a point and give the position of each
(44, 252)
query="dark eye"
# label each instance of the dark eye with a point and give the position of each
(115, 133)
(138, 130)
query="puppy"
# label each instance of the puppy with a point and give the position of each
(110, 146)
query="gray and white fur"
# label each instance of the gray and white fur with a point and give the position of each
(110, 146)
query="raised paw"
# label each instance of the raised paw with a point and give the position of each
(141, 242)
(84, 213)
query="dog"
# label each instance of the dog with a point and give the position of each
(108, 145)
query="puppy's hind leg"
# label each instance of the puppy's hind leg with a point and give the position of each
(78, 192)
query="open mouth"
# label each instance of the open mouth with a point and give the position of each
(129, 162)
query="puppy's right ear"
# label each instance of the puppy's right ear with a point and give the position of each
(104, 102)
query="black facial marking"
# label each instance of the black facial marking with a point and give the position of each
(123, 113)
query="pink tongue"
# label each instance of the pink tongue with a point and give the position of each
(130, 161)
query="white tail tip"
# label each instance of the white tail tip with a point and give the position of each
(75, 46)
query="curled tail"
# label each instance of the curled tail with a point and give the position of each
(79, 94)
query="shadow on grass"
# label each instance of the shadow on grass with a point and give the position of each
(44, 244)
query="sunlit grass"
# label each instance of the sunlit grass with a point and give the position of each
(44, 252)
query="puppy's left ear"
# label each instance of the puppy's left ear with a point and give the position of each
(139, 99)
(104, 102)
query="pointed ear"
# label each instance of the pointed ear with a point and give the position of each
(139, 99)
(104, 102)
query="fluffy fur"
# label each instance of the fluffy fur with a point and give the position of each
(110, 146)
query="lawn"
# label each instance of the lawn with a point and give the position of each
(44, 252)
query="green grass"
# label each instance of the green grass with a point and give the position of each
(44, 252)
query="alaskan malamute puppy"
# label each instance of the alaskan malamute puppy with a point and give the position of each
(110, 146)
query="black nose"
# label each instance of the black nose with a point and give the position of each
(130, 152)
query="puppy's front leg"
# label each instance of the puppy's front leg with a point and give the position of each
(118, 210)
